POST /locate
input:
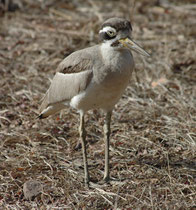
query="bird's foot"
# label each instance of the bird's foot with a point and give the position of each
(106, 179)
(78, 146)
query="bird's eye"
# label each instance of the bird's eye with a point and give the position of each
(111, 33)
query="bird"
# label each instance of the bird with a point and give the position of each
(94, 78)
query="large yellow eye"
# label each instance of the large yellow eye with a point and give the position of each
(111, 33)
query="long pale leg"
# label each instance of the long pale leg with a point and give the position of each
(107, 144)
(82, 133)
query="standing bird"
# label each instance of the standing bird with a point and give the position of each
(94, 78)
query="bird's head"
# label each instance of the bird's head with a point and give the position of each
(117, 33)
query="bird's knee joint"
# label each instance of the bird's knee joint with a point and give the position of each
(106, 130)
(82, 133)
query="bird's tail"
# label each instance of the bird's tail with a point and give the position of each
(47, 109)
(52, 109)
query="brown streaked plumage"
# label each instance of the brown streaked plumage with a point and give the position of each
(94, 78)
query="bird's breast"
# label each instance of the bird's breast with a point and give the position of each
(115, 68)
(110, 78)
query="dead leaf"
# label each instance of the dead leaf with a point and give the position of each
(160, 81)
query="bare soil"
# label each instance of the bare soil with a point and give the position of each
(153, 142)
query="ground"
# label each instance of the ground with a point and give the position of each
(153, 141)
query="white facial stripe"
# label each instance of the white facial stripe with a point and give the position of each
(107, 28)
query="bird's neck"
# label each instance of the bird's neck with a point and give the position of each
(108, 51)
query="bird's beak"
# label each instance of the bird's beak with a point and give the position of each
(128, 43)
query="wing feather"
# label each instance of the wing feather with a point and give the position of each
(73, 75)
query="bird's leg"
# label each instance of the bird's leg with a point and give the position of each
(82, 133)
(107, 143)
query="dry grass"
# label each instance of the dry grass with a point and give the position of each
(153, 142)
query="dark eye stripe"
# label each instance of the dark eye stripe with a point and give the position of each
(105, 36)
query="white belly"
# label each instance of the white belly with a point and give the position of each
(103, 96)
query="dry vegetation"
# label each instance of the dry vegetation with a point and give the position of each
(153, 142)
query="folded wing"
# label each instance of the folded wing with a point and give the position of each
(73, 76)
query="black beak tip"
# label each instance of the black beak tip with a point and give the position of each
(40, 117)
